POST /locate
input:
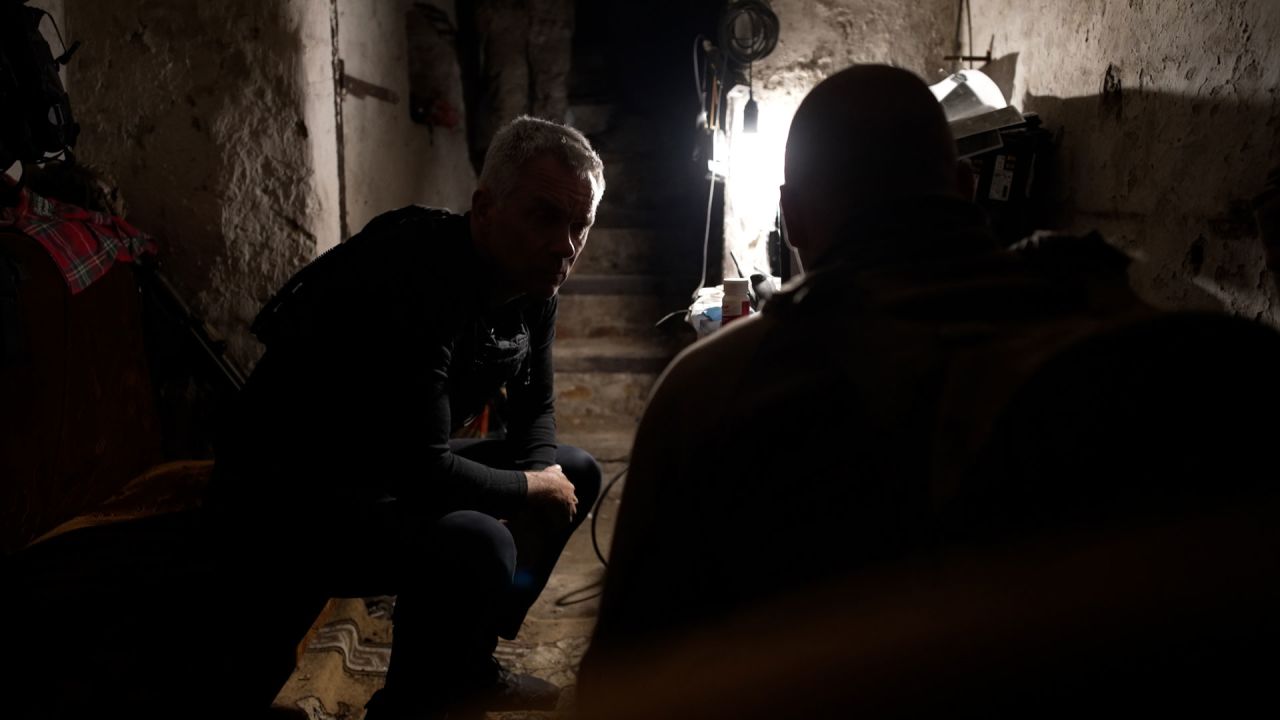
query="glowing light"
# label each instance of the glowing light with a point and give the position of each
(719, 162)
(754, 172)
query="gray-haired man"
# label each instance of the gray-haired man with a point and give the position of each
(339, 451)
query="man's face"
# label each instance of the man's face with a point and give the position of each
(538, 231)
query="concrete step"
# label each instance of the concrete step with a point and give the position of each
(616, 354)
(617, 306)
(603, 385)
(597, 401)
(672, 251)
(614, 316)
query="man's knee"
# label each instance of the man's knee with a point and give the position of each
(582, 470)
(477, 545)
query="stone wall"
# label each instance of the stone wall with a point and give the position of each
(217, 121)
(816, 39)
(1165, 162)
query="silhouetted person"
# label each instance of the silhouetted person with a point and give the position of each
(919, 390)
(336, 474)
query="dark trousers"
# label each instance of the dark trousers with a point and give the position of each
(461, 580)
(468, 578)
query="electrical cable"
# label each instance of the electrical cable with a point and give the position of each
(956, 46)
(964, 9)
(968, 11)
(706, 245)
(578, 595)
(762, 26)
(706, 237)
(760, 39)
(736, 265)
(699, 82)
(595, 513)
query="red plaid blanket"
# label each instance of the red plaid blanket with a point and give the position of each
(83, 243)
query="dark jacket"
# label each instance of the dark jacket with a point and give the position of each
(879, 408)
(905, 416)
(376, 353)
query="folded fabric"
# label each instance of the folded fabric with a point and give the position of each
(83, 243)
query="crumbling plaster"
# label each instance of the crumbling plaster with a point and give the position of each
(217, 121)
(391, 161)
(1166, 168)
(817, 38)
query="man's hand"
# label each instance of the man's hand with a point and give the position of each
(550, 489)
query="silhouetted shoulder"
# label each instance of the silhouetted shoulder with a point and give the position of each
(403, 262)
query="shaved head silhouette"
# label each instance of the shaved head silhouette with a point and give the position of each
(867, 135)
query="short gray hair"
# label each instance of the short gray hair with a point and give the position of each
(525, 138)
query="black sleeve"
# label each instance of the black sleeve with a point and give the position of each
(444, 479)
(531, 411)
(362, 347)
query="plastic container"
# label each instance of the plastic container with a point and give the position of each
(737, 302)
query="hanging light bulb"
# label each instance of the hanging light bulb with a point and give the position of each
(750, 113)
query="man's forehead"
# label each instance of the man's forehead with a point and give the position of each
(567, 195)
(557, 184)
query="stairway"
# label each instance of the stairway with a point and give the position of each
(608, 352)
